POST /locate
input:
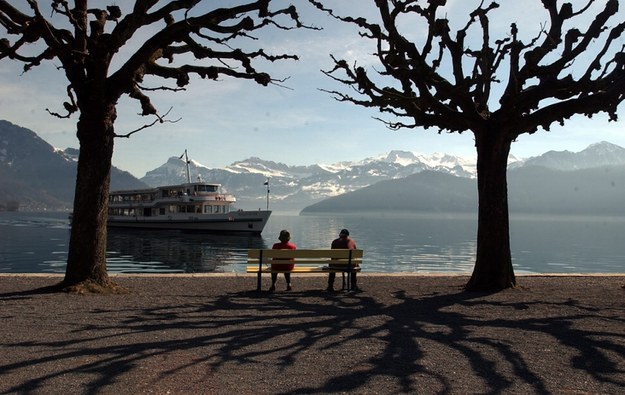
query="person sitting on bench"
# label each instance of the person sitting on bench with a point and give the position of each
(284, 244)
(343, 242)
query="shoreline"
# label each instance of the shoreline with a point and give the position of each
(363, 274)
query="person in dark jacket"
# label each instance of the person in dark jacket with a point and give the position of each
(342, 242)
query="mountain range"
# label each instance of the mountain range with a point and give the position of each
(531, 190)
(294, 187)
(42, 177)
(38, 176)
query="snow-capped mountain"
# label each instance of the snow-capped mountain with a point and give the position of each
(293, 187)
(595, 155)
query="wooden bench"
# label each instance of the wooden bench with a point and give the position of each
(306, 261)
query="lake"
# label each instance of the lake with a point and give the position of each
(38, 243)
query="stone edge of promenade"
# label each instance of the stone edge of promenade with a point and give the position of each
(366, 274)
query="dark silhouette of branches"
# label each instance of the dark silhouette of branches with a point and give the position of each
(131, 49)
(543, 68)
(163, 55)
(498, 88)
(159, 119)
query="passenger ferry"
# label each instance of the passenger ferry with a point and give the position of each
(189, 206)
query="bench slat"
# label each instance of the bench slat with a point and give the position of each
(311, 254)
(298, 261)
(299, 269)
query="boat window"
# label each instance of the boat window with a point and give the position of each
(208, 209)
(128, 212)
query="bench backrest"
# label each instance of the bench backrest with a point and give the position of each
(309, 256)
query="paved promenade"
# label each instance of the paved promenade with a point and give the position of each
(402, 334)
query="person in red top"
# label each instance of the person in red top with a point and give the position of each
(343, 242)
(284, 244)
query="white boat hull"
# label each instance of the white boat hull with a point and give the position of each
(235, 221)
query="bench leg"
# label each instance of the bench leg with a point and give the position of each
(260, 269)
(348, 284)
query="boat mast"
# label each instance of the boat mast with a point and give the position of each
(186, 161)
(267, 183)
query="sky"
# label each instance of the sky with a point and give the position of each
(294, 122)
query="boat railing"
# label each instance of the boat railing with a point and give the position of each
(174, 199)
(215, 197)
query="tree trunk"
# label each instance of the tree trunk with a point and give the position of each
(493, 266)
(86, 263)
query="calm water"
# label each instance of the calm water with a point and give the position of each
(37, 243)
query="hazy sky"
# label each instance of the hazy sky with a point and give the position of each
(296, 124)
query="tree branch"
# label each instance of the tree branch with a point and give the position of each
(158, 119)
(70, 107)
(539, 76)
(86, 52)
(144, 61)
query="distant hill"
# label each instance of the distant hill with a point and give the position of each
(588, 191)
(531, 189)
(39, 177)
(428, 191)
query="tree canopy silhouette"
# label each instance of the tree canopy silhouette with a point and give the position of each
(155, 45)
(498, 88)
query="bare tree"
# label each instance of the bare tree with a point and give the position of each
(87, 40)
(498, 89)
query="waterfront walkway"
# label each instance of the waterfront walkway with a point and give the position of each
(213, 334)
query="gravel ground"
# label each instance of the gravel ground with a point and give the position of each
(400, 334)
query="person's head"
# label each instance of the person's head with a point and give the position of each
(284, 236)
(344, 233)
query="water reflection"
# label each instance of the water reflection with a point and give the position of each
(416, 244)
(38, 243)
(33, 242)
(144, 251)
(392, 243)
(567, 244)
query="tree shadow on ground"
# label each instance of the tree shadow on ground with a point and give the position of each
(442, 342)
(48, 289)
